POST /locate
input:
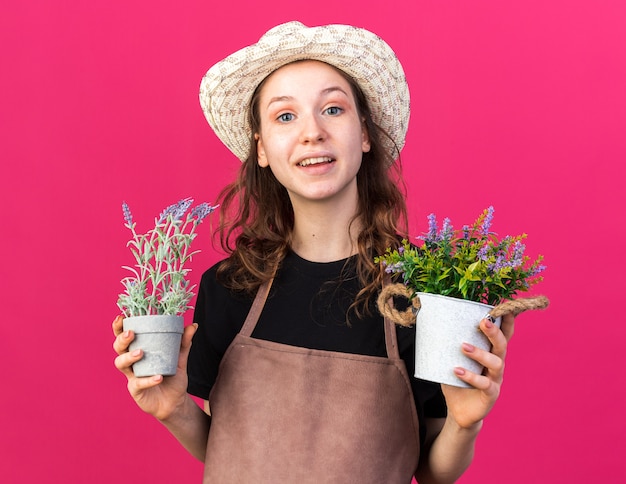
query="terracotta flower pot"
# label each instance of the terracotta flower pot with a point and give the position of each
(159, 337)
(442, 325)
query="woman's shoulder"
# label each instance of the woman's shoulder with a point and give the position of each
(210, 274)
(213, 286)
(219, 310)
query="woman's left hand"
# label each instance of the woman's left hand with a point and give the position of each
(469, 406)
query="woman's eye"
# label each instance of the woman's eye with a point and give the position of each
(333, 110)
(285, 117)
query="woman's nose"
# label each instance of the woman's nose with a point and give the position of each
(312, 129)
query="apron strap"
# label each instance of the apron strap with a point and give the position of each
(256, 309)
(391, 339)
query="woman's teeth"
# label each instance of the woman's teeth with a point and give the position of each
(315, 161)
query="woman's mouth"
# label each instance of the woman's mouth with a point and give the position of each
(316, 161)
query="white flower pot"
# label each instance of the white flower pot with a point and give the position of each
(158, 336)
(442, 325)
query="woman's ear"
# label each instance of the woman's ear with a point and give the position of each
(260, 151)
(365, 143)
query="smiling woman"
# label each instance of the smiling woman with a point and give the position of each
(312, 137)
(307, 382)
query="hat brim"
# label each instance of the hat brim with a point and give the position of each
(227, 88)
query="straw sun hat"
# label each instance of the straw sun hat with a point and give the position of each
(227, 87)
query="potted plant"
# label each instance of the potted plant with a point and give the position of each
(157, 293)
(453, 279)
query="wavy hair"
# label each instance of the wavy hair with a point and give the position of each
(256, 216)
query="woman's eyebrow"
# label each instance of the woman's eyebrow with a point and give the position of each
(330, 90)
(323, 92)
(278, 99)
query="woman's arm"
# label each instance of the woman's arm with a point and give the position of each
(165, 398)
(449, 448)
(449, 454)
(190, 425)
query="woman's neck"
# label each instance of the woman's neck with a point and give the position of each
(325, 232)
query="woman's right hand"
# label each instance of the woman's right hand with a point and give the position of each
(155, 395)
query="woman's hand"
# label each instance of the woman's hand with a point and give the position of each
(155, 395)
(469, 406)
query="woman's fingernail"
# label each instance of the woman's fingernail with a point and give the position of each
(459, 371)
(127, 334)
(135, 353)
(468, 347)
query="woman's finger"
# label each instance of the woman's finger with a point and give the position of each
(496, 337)
(137, 385)
(125, 361)
(492, 362)
(118, 325)
(480, 382)
(120, 345)
(185, 346)
(508, 326)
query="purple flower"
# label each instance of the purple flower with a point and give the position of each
(401, 250)
(487, 221)
(168, 211)
(499, 264)
(128, 217)
(506, 242)
(431, 236)
(181, 208)
(466, 232)
(201, 211)
(517, 257)
(482, 253)
(446, 231)
(536, 270)
(393, 268)
(176, 210)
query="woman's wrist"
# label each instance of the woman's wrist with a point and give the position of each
(182, 411)
(471, 430)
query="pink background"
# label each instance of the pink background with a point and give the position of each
(516, 104)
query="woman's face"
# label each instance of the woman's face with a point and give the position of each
(311, 134)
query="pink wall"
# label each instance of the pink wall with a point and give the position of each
(517, 104)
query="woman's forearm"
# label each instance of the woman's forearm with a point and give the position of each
(450, 454)
(190, 425)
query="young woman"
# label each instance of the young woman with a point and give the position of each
(303, 380)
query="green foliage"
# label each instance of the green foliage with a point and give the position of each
(158, 284)
(469, 264)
